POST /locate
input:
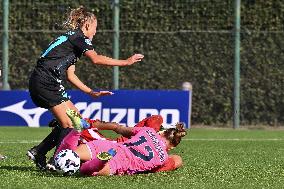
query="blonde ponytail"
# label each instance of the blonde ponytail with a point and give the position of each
(77, 18)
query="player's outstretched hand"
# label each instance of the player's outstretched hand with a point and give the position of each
(135, 58)
(100, 93)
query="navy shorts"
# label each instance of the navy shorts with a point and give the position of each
(45, 92)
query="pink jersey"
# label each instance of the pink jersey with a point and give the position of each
(143, 152)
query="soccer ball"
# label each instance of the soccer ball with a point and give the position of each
(67, 162)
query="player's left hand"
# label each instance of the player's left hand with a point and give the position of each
(100, 93)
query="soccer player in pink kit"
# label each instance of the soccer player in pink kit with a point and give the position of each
(87, 135)
(146, 150)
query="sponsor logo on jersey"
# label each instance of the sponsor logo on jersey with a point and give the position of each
(157, 145)
(70, 33)
(88, 41)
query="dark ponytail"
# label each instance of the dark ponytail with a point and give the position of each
(174, 135)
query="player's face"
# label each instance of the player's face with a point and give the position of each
(90, 28)
(93, 27)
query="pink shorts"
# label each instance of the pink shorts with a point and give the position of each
(120, 163)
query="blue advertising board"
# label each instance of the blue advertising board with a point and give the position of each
(126, 107)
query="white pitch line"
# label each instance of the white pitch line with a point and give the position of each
(187, 139)
(20, 142)
(234, 139)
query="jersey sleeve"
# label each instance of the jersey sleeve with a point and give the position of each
(136, 130)
(82, 44)
(154, 122)
(169, 165)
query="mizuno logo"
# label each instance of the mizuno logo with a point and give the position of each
(95, 110)
(31, 116)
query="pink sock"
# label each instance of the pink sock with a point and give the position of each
(69, 142)
(91, 166)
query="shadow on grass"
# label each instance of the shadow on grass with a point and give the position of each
(43, 173)
(16, 168)
(56, 174)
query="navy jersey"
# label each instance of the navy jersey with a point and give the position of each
(63, 52)
(47, 82)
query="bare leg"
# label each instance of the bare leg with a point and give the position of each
(38, 153)
(97, 165)
(59, 111)
(92, 167)
(69, 142)
(83, 152)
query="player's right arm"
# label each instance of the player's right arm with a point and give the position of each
(106, 125)
(125, 131)
(104, 60)
(119, 129)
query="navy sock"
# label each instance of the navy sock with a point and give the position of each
(48, 142)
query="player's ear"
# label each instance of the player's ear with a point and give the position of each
(87, 26)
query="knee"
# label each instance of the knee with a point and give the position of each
(67, 123)
(157, 118)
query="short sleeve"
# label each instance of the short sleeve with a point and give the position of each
(154, 122)
(136, 130)
(82, 44)
(169, 165)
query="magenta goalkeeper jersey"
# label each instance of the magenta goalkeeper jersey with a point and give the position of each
(143, 152)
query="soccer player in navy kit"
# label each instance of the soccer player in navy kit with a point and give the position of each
(57, 65)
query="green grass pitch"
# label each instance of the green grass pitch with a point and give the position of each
(213, 158)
